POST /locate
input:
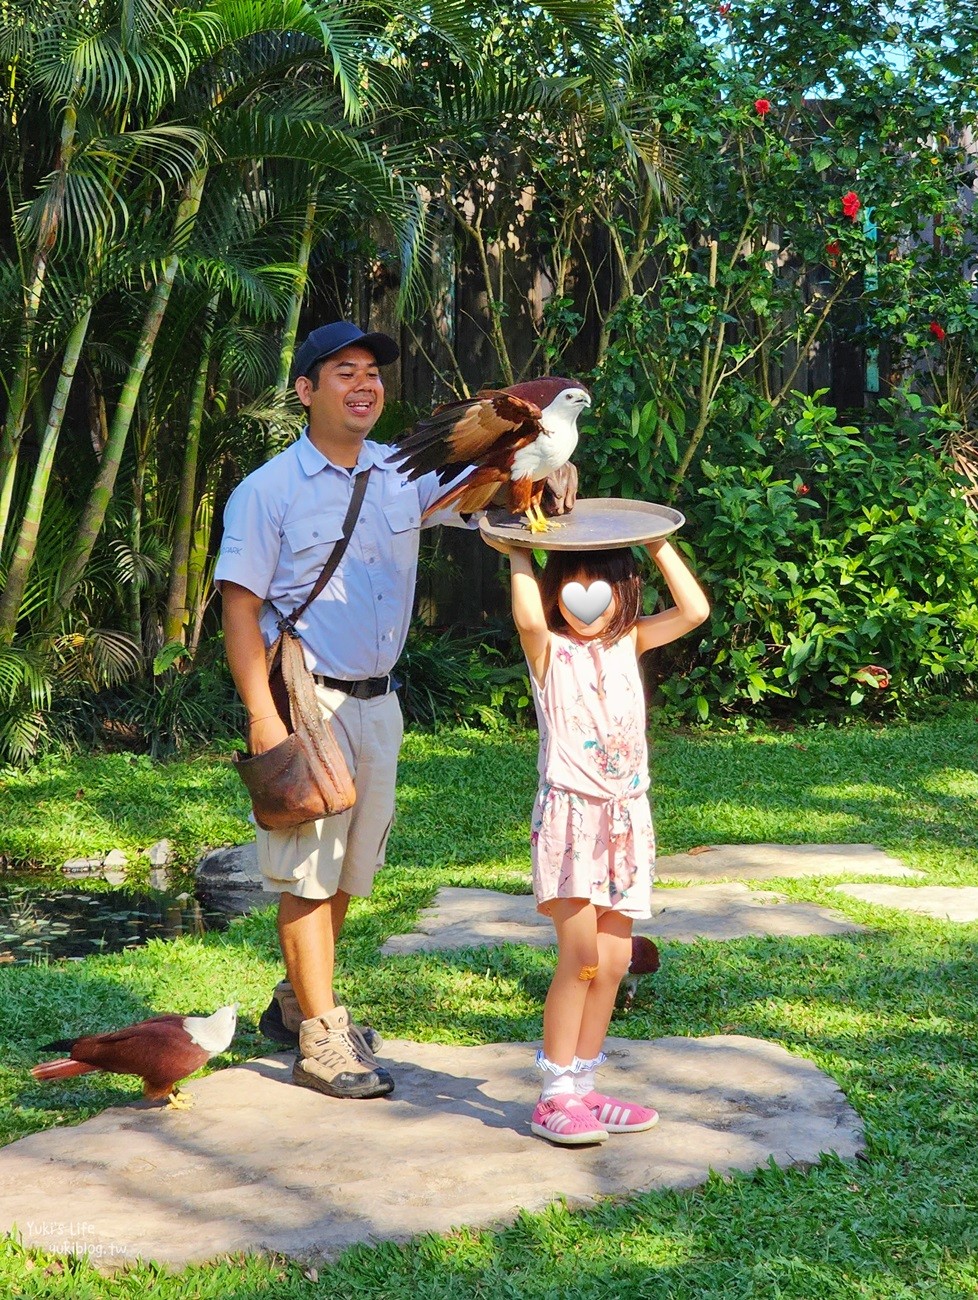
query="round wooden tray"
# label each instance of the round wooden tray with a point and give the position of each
(595, 524)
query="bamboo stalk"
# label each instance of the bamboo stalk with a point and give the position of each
(26, 548)
(174, 627)
(93, 516)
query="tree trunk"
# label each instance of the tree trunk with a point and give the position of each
(13, 426)
(23, 557)
(19, 403)
(200, 570)
(93, 516)
(174, 626)
(295, 306)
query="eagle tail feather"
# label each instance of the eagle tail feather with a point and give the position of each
(475, 492)
(61, 1069)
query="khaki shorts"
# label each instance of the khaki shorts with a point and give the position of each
(343, 852)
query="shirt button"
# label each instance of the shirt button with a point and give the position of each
(315, 534)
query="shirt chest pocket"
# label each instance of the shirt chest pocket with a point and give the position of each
(310, 541)
(403, 515)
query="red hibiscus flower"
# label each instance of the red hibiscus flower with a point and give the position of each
(938, 331)
(803, 489)
(833, 248)
(873, 675)
(724, 10)
(851, 205)
(763, 106)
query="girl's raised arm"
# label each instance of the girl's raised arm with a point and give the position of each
(690, 610)
(528, 615)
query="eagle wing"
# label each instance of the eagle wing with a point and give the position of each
(484, 431)
(159, 1049)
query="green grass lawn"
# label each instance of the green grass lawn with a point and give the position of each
(890, 1014)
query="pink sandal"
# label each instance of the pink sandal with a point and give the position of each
(567, 1120)
(619, 1116)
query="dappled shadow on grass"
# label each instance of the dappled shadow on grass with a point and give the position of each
(893, 785)
(465, 798)
(89, 804)
(889, 1015)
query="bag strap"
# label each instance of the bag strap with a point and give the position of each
(287, 622)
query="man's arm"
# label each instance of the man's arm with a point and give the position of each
(245, 650)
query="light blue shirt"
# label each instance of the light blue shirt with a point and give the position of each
(280, 525)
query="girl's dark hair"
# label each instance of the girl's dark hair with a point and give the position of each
(617, 568)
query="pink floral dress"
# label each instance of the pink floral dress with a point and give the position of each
(591, 830)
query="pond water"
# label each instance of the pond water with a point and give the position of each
(57, 923)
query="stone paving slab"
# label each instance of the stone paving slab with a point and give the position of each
(474, 918)
(768, 861)
(944, 902)
(259, 1165)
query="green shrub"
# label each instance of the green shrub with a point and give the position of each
(470, 678)
(843, 570)
(177, 709)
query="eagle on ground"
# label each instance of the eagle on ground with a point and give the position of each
(514, 439)
(162, 1051)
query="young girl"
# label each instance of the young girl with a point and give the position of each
(593, 846)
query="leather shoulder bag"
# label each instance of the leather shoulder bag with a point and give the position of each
(305, 777)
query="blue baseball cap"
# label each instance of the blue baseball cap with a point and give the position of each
(326, 339)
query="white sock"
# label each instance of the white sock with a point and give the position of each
(559, 1079)
(585, 1073)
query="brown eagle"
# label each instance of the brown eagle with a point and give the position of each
(513, 438)
(161, 1051)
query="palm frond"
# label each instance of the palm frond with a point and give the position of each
(120, 68)
(96, 657)
(87, 203)
(24, 675)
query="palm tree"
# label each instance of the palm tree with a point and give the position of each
(170, 173)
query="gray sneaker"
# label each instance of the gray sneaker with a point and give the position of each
(332, 1059)
(282, 1017)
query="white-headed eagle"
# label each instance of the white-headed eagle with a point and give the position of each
(161, 1050)
(514, 439)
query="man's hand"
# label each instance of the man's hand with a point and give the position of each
(560, 490)
(265, 733)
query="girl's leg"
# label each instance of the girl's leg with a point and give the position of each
(560, 1115)
(578, 963)
(614, 945)
(614, 936)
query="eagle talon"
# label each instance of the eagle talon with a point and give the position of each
(537, 521)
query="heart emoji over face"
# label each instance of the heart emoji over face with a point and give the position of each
(586, 603)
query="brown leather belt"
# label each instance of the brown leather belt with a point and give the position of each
(366, 689)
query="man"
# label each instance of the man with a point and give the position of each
(281, 524)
